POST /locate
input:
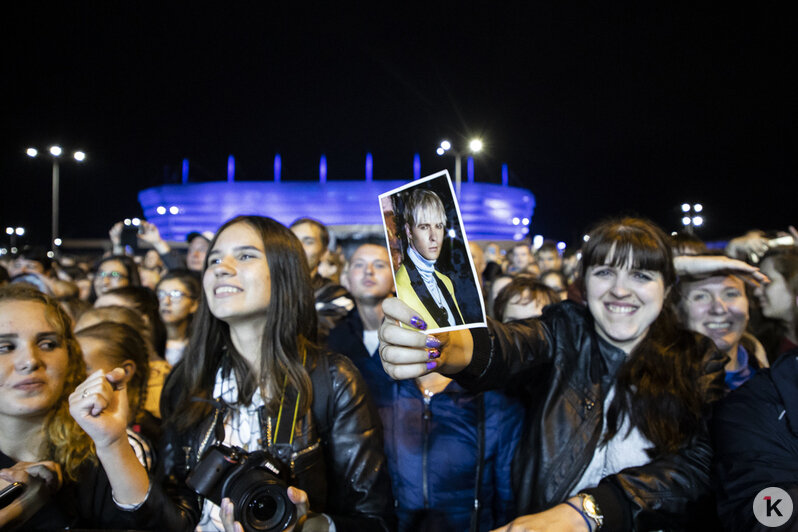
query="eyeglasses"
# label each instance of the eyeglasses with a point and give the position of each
(112, 275)
(173, 295)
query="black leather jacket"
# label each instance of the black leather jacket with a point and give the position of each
(563, 371)
(342, 468)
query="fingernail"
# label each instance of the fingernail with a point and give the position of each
(418, 323)
(433, 342)
(432, 364)
(433, 353)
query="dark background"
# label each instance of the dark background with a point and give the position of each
(599, 110)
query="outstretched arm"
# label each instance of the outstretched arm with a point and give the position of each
(149, 233)
(703, 264)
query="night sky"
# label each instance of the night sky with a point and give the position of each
(597, 110)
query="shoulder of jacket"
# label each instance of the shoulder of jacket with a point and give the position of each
(566, 310)
(568, 320)
(340, 368)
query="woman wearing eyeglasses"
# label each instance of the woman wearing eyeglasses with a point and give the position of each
(178, 299)
(114, 272)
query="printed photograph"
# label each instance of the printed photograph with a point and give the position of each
(432, 266)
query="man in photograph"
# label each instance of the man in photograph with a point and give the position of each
(418, 283)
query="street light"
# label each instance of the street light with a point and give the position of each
(13, 234)
(56, 152)
(474, 146)
(690, 217)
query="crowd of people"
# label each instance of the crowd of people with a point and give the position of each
(268, 379)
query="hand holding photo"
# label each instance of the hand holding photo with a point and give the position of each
(432, 265)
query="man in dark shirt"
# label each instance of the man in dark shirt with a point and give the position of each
(370, 283)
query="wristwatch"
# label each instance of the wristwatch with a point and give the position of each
(591, 509)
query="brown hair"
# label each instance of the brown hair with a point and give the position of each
(785, 261)
(122, 342)
(323, 232)
(629, 239)
(117, 314)
(529, 289)
(67, 443)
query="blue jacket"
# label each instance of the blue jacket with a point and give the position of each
(431, 445)
(755, 435)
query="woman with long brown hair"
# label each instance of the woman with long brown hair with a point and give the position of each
(253, 379)
(615, 393)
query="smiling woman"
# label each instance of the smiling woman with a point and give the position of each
(717, 307)
(253, 379)
(615, 393)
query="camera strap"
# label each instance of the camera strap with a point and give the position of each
(287, 414)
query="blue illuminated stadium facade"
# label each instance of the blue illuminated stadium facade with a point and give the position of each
(490, 211)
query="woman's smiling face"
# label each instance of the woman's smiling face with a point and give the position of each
(237, 282)
(624, 302)
(716, 307)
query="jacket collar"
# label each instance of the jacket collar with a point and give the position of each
(606, 359)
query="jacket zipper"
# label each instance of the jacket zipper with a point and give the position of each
(306, 450)
(424, 477)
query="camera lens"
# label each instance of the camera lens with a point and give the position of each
(264, 511)
(262, 508)
(261, 502)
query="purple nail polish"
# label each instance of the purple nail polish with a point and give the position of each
(433, 342)
(432, 364)
(433, 353)
(418, 323)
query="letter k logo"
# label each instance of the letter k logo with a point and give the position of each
(772, 506)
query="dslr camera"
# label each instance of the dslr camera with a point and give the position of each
(255, 482)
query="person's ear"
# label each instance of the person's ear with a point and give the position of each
(408, 233)
(129, 368)
(194, 306)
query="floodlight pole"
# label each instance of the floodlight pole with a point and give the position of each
(56, 183)
(458, 173)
